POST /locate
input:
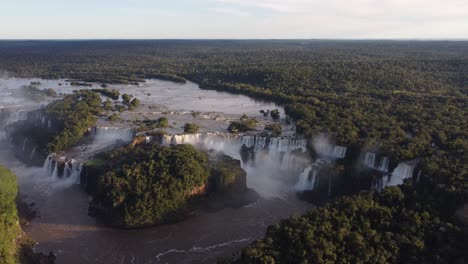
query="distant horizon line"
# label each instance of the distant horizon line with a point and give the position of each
(237, 39)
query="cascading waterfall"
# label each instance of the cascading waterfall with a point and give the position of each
(24, 143)
(402, 172)
(383, 167)
(339, 152)
(108, 134)
(10, 116)
(326, 150)
(55, 170)
(369, 159)
(370, 162)
(275, 158)
(33, 153)
(308, 179)
(380, 183)
(259, 143)
(71, 168)
(47, 167)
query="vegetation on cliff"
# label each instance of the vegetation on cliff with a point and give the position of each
(9, 223)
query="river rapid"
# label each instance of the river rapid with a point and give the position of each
(63, 226)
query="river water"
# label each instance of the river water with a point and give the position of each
(64, 227)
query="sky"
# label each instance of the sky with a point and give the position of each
(234, 19)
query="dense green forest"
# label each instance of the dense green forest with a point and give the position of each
(149, 184)
(409, 99)
(9, 227)
(73, 116)
(396, 226)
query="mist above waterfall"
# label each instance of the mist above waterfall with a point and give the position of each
(276, 165)
(326, 149)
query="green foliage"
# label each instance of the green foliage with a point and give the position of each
(114, 117)
(191, 128)
(275, 129)
(134, 104)
(111, 93)
(126, 98)
(148, 125)
(246, 124)
(388, 228)
(9, 228)
(407, 97)
(150, 184)
(275, 114)
(73, 115)
(108, 105)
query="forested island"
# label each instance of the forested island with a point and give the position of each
(408, 99)
(150, 184)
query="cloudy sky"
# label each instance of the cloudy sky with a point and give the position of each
(304, 19)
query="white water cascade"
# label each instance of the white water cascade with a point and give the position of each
(33, 153)
(326, 150)
(259, 143)
(369, 160)
(402, 172)
(71, 168)
(383, 167)
(10, 116)
(308, 179)
(277, 160)
(112, 134)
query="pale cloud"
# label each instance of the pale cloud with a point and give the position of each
(230, 11)
(360, 18)
(337, 19)
(419, 8)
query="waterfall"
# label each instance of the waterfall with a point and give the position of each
(47, 167)
(24, 143)
(381, 183)
(330, 151)
(369, 159)
(277, 161)
(33, 153)
(383, 167)
(10, 116)
(112, 134)
(402, 171)
(55, 170)
(308, 180)
(217, 140)
(339, 152)
(71, 168)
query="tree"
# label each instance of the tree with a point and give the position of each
(191, 128)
